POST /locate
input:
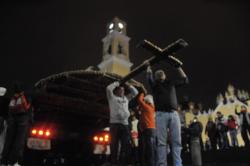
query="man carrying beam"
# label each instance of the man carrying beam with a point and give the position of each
(167, 119)
(165, 99)
(119, 114)
(164, 93)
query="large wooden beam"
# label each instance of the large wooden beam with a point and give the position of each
(158, 55)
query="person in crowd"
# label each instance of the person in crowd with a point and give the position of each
(18, 122)
(232, 128)
(164, 93)
(4, 107)
(211, 132)
(191, 108)
(195, 130)
(221, 126)
(140, 141)
(184, 134)
(244, 117)
(134, 137)
(119, 114)
(147, 125)
(200, 109)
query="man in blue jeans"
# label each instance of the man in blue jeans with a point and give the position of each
(167, 118)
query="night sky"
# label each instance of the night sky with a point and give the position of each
(40, 38)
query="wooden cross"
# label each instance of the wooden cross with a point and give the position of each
(159, 55)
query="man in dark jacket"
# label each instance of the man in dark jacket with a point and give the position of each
(167, 118)
(211, 132)
(195, 130)
(221, 126)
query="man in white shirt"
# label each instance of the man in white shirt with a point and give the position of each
(119, 114)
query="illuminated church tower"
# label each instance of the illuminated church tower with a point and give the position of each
(116, 49)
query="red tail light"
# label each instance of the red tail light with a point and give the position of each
(106, 137)
(40, 132)
(95, 138)
(102, 138)
(34, 132)
(45, 133)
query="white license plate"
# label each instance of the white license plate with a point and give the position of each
(39, 144)
(101, 149)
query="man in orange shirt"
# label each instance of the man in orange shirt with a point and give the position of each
(147, 125)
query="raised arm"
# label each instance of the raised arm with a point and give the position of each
(183, 79)
(133, 92)
(110, 88)
(149, 76)
(142, 103)
(25, 103)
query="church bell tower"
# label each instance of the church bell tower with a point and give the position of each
(116, 49)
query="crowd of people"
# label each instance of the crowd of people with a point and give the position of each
(222, 128)
(221, 132)
(144, 135)
(159, 123)
(161, 127)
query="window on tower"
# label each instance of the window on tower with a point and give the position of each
(109, 49)
(119, 49)
(120, 25)
(111, 26)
